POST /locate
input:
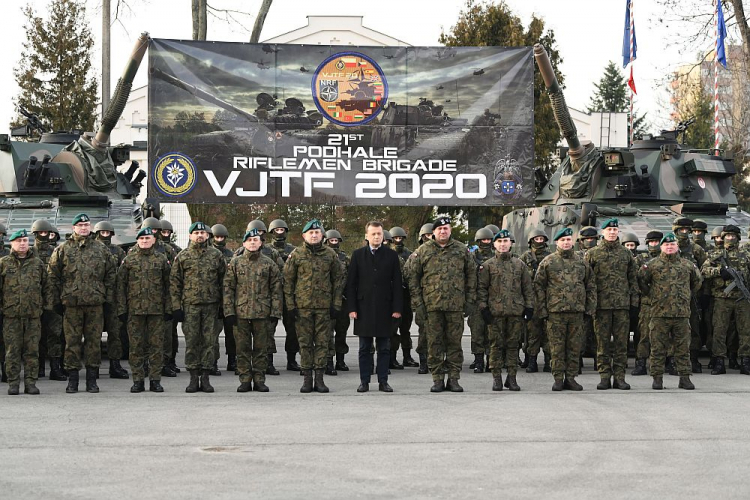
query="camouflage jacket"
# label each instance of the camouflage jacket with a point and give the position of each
(197, 276)
(225, 252)
(670, 279)
(81, 272)
(505, 286)
(615, 273)
(23, 286)
(693, 253)
(403, 253)
(644, 259)
(313, 278)
(735, 257)
(283, 248)
(143, 283)
(252, 287)
(442, 278)
(344, 260)
(564, 283)
(116, 251)
(163, 248)
(269, 252)
(532, 259)
(43, 250)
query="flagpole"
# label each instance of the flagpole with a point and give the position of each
(632, 49)
(716, 78)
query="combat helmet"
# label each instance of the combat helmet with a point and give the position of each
(630, 238)
(41, 225)
(425, 229)
(332, 233)
(484, 234)
(397, 231)
(256, 224)
(493, 228)
(151, 222)
(104, 225)
(219, 230)
(537, 232)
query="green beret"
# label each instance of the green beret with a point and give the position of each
(313, 224)
(81, 218)
(503, 233)
(668, 238)
(21, 233)
(146, 231)
(251, 233)
(197, 226)
(440, 221)
(566, 231)
(613, 222)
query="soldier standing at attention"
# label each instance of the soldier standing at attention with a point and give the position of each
(23, 291)
(505, 298)
(3, 252)
(537, 336)
(339, 327)
(670, 280)
(614, 270)
(279, 232)
(565, 291)
(425, 235)
(401, 334)
(82, 278)
(104, 231)
(143, 304)
(444, 286)
(195, 287)
(219, 242)
(313, 284)
(480, 342)
(643, 349)
(252, 300)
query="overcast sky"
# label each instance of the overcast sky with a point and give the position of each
(589, 34)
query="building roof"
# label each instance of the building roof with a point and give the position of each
(350, 27)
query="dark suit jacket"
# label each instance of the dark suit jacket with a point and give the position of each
(374, 290)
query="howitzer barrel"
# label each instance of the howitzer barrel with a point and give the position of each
(559, 107)
(121, 94)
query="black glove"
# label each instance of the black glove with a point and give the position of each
(528, 313)
(178, 315)
(333, 312)
(294, 313)
(123, 317)
(167, 317)
(725, 274)
(486, 316)
(108, 309)
(468, 310)
(59, 309)
(230, 320)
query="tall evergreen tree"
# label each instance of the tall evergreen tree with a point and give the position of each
(54, 70)
(613, 95)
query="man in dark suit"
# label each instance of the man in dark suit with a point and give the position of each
(375, 294)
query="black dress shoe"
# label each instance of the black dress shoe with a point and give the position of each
(363, 387)
(384, 387)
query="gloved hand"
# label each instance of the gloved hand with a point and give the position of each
(468, 310)
(333, 312)
(486, 316)
(59, 309)
(230, 320)
(178, 315)
(123, 317)
(725, 274)
(528, 313)
(167, 317)
(294, 313)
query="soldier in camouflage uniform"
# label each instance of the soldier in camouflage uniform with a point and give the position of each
(716, 238)
(219, 242)
(104, 231)
(23, 292)
(82, 276)
(195, 286)
(404, 337)
(730, 307)
(698, 230)
(3, 252)
(565, 291)
(588, 238)
(170, 368)
(643, 347)
(695, 254)
(143, 304)
(444, 286)
(480, 342)
(671, 281)
(614, 270)
(252, 299)
(279, 231)
(425, 235)
(536, 334)
(51, 341)
(337, 345)
(505, 298)
(313, 286)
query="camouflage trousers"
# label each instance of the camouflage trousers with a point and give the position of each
(401, 334)
(339, 328)
(291, 344)
(146, 342)
(727, 313)
(52, 334)
(113, 327)
(480, 337)
(313, 333)
(83, 326)
(421, 333)
(612, 327)
(505, 333)
(643, 349)
(444, 332)
(252, 336)
(199, 328)
(666, 332)
(565, 331)
(537, 337)
(21, 337)
(229, 342)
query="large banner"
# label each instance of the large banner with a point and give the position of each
(261, 123)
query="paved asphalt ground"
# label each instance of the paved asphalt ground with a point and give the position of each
(409, 444)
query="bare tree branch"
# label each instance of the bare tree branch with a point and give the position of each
(260, 20)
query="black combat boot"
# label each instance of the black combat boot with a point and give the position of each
(580, 365)
(559, 385)
(533, 366)
(173, 365)
(206, 382)
(30, 388)
(72, 382)
(686, 384)
(260, 385)
(453, 386)
(394, 364)
(320, 386)
(270, 370)
(733, 364)
(437, 386)
(138, 386)
(695, 365)
(13, 389)
(711, 361)
(547, 368)
(194, 383)
(571, 385)
(291, 363)
(408, 360)
(42, 371)
(422, 364)
(116, 370)
(719, 368)
(621, 384)
(606, 383)
(155, 386)
(525, 362)
(671, 366)
(55, 372)
(745, 366)
(340, 365)
(214, 371)
(330, 369)
(511, 384)
(245, 387)
(232, 362)
(640, 367)
(473, 363)
(307, 382)
(497, 383)
(91, 379)
(658, 383)
(3, 374)
(166, 369)
(478, 363)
